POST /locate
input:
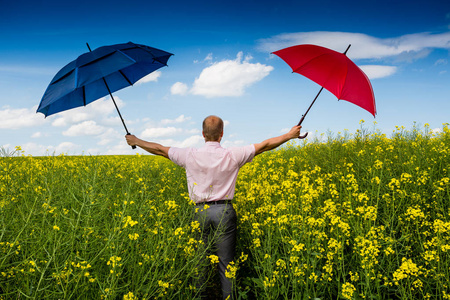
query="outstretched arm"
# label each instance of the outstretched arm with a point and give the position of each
(153, 148)
(274, 142)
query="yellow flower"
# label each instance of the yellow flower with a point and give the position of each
(171, 205)
(347, 290)
(378, 164)
(128, 221)
(133, 237)
(164, 285)
(281, 264)
(195, 225)
(55, 227)
(406, 269)
(231, 270)
(414, 213)
(354, 276)
(129, 296)
(388, 251)
(114, 261)
(214, 259)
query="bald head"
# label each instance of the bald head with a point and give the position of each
(212, 128)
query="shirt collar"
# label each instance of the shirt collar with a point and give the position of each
(212, 145)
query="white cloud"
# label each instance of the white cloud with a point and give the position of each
(411, 46)
(84, 128)
(113, 121)
(192, 131)
(229, 77)
(38, 149)
(20, 118)
(97, 110)
(71, 117)
(192, 141)
(36, 135)
(237, 143)
(150, 77)
(374, 71)
(179, 119)
(441, 62)
(208, 57)
(110, 135)
(67, 147)
(179, 88)
(436, 130)
(60, 122)
(403, 48)
(122, 148)
(151, 133)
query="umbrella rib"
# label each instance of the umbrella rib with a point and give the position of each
(345, 82)
(62, 77)
(76, 78)
(324, 82)
(346, 73)
(155, 58)
(84, 95)
(101, 58)
(306, 63)
(126, 78)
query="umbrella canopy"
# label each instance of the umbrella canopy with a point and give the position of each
(332, 70)
(98, 73)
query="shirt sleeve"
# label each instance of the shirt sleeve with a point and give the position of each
(243, 155)
(178, 156)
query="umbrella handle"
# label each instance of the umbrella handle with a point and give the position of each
(303, 136)
(134, 146)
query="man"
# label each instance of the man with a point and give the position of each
(211, 173)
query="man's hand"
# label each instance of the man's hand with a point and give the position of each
(274, 142)
(153, 148)
(294, 132)
(131, 139)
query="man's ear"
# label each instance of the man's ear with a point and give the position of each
(203, 134)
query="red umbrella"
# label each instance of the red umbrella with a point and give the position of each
(332, 70)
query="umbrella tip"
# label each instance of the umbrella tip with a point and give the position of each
(87, 44)
(349, 45)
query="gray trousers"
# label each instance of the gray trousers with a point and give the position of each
(218, 225)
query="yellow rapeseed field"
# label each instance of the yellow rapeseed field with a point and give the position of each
(349, 216)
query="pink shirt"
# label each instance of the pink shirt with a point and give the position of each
(211, 170)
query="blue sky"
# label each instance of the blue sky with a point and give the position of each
(223, 66)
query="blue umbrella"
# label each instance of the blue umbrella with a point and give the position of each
(98, 73)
